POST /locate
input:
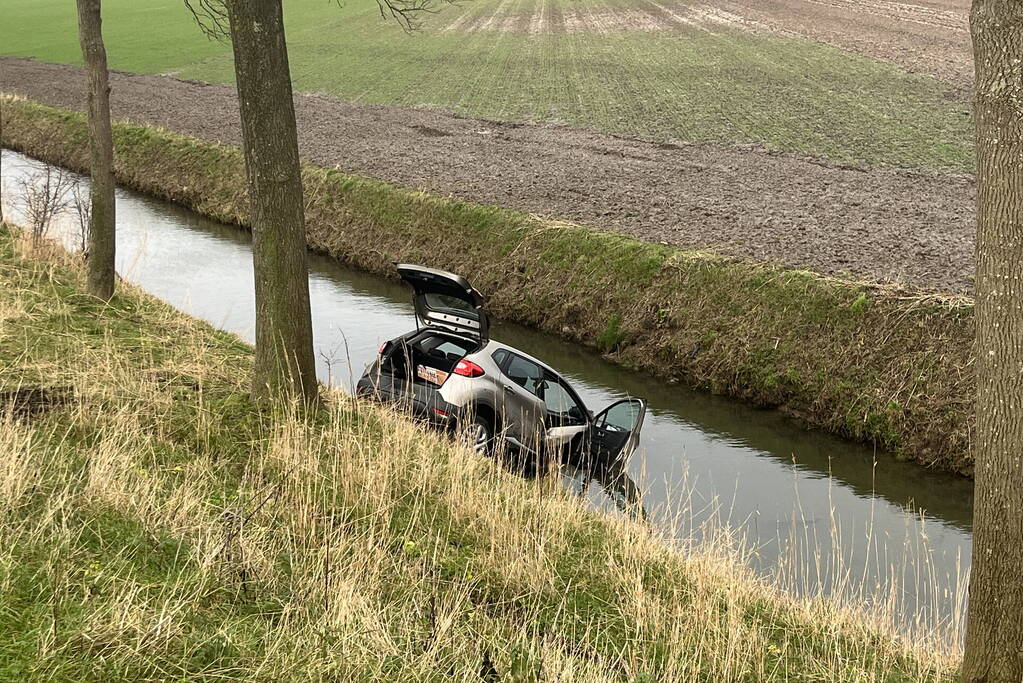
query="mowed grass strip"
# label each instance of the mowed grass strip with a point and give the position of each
(158, 526)
(720, 85)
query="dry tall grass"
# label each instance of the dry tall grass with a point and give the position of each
(160, 527)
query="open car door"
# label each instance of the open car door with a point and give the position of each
(446, 301)
(614, 433)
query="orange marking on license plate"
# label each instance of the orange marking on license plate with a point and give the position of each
(431, 374)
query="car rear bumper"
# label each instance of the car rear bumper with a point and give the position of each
(423, 401)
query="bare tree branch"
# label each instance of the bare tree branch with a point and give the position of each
(408, 13)
(211, 15)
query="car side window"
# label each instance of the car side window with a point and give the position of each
(526, 374)
(621, 417)
(562, 404)
(500, 356)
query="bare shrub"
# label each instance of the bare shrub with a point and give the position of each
(45, 195)
(80, 205)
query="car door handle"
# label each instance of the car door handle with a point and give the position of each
(508, 388)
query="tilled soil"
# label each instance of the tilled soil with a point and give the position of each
(885, 225)
(924, 36)
(921, 36)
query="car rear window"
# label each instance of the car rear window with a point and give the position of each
(448, 348)
(451, 304)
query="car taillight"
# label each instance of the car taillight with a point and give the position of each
(383, 347)
(466, 368)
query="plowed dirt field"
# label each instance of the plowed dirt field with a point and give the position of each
(931, 37)
(881, 224)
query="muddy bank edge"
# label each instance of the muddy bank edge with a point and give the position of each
(873, 364)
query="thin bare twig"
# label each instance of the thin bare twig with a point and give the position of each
(80, 205)
(212, 16)
(408, 13)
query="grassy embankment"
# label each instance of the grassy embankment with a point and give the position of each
(708, 82)
(157, 525)
(872, 364)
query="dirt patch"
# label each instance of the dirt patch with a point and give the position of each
(429, 131)
(32, 401)
(884, 225)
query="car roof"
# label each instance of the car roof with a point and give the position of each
(495, 345)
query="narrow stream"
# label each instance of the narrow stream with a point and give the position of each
(818, 514)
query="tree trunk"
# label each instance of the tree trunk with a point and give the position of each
(994, 635)
(102, 245)
(284, 337)
(99, 281)
(1, 161)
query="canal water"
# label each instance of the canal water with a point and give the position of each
(817, 514)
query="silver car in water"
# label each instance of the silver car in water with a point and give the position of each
(449, 372)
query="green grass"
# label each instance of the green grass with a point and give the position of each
(162, 527)
(729, 87)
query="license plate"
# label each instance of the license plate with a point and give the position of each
(432, 375)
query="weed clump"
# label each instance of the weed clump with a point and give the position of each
(612, 338)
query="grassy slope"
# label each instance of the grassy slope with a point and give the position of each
(731, 87)
(159, 526)
(870, 364)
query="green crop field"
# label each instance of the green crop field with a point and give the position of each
(695, 76)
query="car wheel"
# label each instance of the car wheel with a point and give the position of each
(481, 435)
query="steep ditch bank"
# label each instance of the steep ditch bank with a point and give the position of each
(869, 363)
